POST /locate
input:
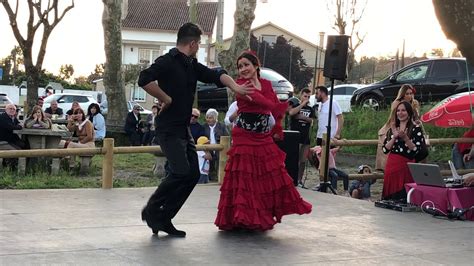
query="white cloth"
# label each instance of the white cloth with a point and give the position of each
(211, 134)
(323, 115)
(203, 163)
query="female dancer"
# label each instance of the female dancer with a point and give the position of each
(257, 190)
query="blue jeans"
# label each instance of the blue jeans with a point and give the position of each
(363, 185)
(204, 179)
(335, 174)
(458, 161)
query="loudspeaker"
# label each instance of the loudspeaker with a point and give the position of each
(290, 145)
(335, 61)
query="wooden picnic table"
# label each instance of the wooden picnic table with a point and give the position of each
(42, 139)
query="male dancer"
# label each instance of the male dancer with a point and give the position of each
(172, 79)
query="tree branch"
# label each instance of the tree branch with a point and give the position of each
(12, 16)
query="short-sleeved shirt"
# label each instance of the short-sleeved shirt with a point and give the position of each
(400, 147)
(177, 75)
(59, 111)
(323, 116)
(301, 125)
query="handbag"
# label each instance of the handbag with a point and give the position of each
(423, 152)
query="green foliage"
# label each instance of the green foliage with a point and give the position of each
(284, 58)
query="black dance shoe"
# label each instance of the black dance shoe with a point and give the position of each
(168, 227)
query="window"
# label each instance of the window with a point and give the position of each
(413, 73)
(270, 39)
(444, 69)
(81, 99)
(138, 94)
(147, 56)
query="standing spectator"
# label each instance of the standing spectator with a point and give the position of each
(204, 158)
(172, 80)
(213, 130)
(197, 130)
(74, 106)
(462, 154)
(333, 172)
(94, 114)
(53, 109)
(405, 93)
(337, 120)
(149, 135)
(132, 126)
(37, 119)
(301, 118)
(402, 143)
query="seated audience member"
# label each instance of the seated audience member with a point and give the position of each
(132, 127)
(74, 106)
(462, 154)
(53, 109)
(333, 172)
(37, 119)
(402, 142)
(360, 189)
(8, 123)
(149, 135)
(40, 102)
(94, 115)
(84, 130)
(204, 158)
(213, 130)
(197, 130)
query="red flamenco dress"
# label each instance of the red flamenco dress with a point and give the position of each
(257, 190)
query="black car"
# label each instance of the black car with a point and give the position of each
(433, 79)
(209, 96)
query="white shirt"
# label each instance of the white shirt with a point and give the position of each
(203, 163)
(211, 134)
(323, 115)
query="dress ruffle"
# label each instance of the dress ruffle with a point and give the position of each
(257, 190)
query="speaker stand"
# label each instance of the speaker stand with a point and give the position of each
(323, 187)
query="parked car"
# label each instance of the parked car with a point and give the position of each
(143, 112)
(209, 96)
(65, 101)
(433, 79)
(342, 95)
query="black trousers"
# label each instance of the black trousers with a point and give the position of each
(183, 175)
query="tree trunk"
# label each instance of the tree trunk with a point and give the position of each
(457, 21)
(113, 80)
(243, 18)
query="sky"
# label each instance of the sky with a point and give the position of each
(78, 38)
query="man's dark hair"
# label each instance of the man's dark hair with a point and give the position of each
(189, 32)
(323, 89)
(305, 90)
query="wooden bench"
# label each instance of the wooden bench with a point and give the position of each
(21, 161)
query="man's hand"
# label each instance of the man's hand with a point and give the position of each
(467, 157)
(165, 104)
(245, 89)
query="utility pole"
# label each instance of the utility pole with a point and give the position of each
(219, 31)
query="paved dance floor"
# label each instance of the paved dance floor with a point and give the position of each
(103, 227)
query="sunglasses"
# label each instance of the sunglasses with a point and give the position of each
(194, 116)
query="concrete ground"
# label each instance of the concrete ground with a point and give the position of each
(103, 227)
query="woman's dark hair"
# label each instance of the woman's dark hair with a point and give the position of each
(79, 110)
(411, 115)
(249, 55)
(189, 32)
(97, 108)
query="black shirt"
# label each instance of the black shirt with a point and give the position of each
(59, 111)
(301, 125)
(177, 75)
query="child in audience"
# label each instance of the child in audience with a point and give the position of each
(204, 157)
(334, 173)
(360, 189)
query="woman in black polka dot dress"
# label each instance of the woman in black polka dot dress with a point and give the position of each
(402, 143)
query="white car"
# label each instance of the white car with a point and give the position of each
(342, 95)
(65, 101)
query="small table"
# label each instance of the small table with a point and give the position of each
(443, 198)
(42, 139)
(61, 121)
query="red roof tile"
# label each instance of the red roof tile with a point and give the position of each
(167, 15)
